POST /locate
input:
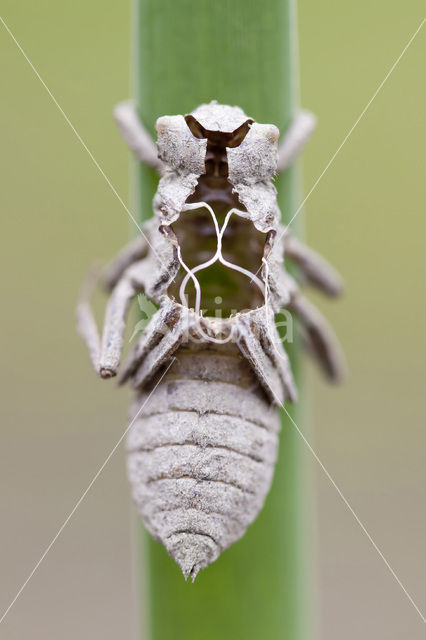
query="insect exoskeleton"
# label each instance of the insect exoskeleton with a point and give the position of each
(209, 370)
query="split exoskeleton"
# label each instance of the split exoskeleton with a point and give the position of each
(209, 370)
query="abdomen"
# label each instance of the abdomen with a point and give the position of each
(201, 454)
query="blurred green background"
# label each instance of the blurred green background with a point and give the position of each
(59, 422)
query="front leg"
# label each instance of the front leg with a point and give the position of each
(295, 138)
(136, 136)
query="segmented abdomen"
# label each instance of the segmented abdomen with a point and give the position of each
(201, 454)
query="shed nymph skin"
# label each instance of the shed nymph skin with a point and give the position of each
(209, 370)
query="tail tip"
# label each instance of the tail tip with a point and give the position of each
(192, 552)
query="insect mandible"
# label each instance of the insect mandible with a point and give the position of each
(203, 440)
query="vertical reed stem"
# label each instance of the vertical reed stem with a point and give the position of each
(239, 53)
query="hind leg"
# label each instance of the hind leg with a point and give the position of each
(320, 340)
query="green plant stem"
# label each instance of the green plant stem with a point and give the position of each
(239, 53)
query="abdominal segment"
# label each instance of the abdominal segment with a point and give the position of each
(201, 455)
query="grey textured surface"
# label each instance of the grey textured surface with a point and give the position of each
(201, 455)
(219, 117)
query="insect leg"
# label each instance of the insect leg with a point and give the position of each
(164, 324)
(131, 283)
(106, 356)
(295, 138)
(260, 344)
(136, 136)
(135, 250)
(86, 324)
(315, 269)
(318, 335)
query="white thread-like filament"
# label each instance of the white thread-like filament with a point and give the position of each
(217, 256)
(231, 265)
(190, 274)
